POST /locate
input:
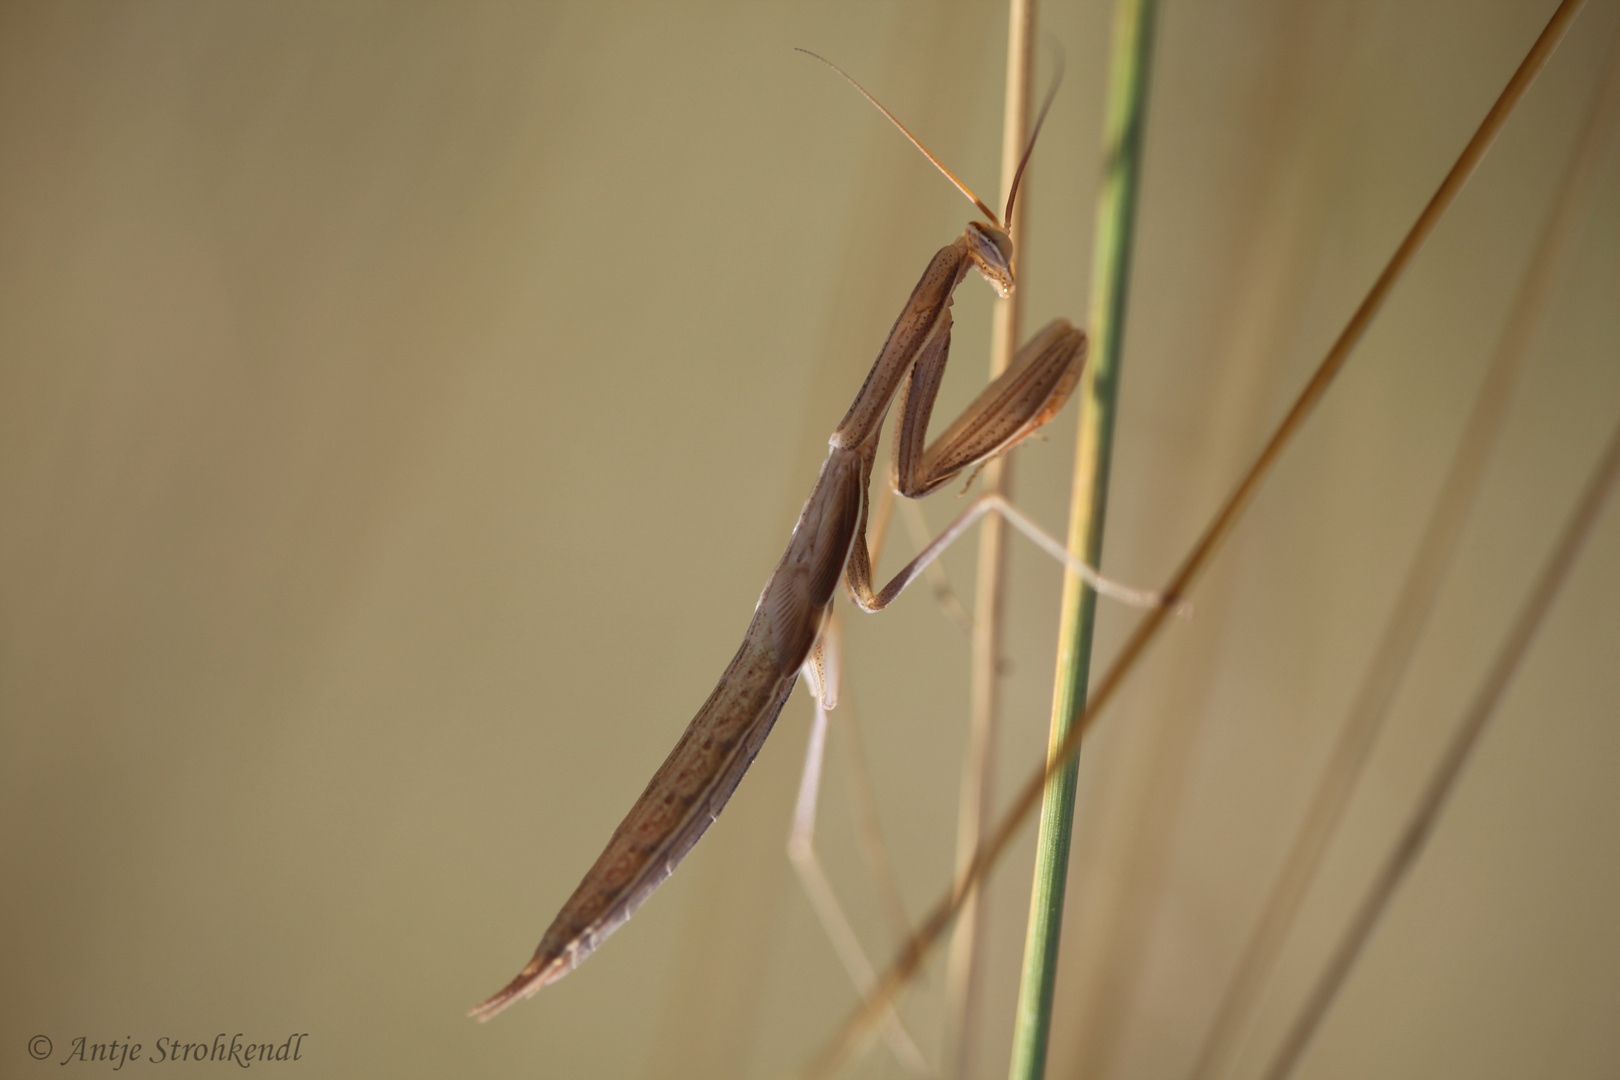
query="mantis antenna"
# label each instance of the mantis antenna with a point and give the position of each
(963, 188)
(1018, 176)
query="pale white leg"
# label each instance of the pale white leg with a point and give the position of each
(821, 671)
(938, 580)
(868, 836)
(984, 504)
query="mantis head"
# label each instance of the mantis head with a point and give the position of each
(991, 250)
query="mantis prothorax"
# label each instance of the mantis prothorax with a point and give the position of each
(785, 637)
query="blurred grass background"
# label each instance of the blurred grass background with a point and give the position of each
(401, 406)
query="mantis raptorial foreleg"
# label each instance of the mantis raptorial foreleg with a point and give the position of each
(694, 783)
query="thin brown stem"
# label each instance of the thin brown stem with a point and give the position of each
(965, 959)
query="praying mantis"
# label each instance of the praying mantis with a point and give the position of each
(787, 633)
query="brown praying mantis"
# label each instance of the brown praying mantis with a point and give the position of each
(787, 634)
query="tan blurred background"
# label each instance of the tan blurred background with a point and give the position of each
(401, 406)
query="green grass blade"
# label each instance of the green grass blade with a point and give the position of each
(1111, 264)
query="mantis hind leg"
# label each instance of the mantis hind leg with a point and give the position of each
(821, 673)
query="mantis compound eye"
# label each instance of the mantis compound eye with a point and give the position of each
(991, 250)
